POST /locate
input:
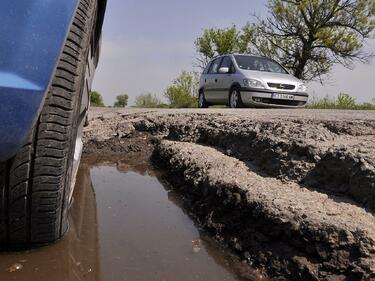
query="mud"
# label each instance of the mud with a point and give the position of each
(290, 191)
(323, 234)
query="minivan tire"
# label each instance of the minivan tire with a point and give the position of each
(36, 185)
(235, 100)
(202, 103)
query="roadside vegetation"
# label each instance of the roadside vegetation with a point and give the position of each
(342, 101)
(149, 100)
(183, 91)
(96, 99)
(121, 100)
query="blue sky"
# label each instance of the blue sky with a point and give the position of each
(146, 44)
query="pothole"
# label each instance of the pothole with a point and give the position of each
(284, 208)
(127, 223)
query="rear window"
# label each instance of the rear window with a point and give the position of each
(259, 64)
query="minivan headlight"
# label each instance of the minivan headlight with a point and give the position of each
(302, 88)
(253, 83)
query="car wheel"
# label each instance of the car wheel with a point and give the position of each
(36, 186)
(202, 103)
(235, 100)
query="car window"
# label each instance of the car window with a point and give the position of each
(205, 71)
(274, 67)
(227, 62)
(259, 64)
(215, 66)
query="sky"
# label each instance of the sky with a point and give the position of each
(146, 44)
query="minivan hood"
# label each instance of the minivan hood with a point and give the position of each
(271, 77)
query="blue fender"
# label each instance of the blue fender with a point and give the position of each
(32, 35)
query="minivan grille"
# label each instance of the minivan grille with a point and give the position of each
(281, 86)
(280, 102)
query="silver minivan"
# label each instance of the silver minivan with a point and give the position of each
(241, 80)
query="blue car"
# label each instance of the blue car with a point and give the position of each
(48, 54)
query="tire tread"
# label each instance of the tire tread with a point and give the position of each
(33, 184)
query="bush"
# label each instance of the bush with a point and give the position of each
(183, 91)
(342, 101)
(96, 99)
(149, 101)
(121, 100)
(345, 101)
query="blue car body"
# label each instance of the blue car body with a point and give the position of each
(32, 35)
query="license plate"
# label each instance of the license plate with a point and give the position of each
(283, 96)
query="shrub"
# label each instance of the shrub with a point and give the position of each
(183, 91)
(342, 101)
(96, 99)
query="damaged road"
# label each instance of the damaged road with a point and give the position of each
(292, 192)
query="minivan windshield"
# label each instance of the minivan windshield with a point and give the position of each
(259, 64)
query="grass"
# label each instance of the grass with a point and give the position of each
(342, 101)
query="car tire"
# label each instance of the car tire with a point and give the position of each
(235, 100)
(36, 185)
(202, 103)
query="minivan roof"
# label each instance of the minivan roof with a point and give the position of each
(239, 54)
(248, 55)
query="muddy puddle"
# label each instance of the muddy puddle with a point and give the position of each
(127, 224)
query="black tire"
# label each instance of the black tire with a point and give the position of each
(235, 92)
(202, 103)
(35, 185)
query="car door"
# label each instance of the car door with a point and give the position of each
(211, 82)
(225, 80)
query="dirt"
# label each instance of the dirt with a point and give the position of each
(290, 191)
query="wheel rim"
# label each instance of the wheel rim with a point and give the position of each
(234, 99)
(77, 156)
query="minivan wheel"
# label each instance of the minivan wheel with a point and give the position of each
(235, 100)
(202, 103)
(36, 186)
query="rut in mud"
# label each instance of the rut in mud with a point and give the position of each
(294, 194)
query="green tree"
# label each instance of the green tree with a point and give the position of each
(96, 99)
(121, 100)
(183, 91)
(310, 36)
(220, 41)
(147, 101)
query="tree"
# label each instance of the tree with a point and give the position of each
(183, 91)
(217, 41)
(121, 100)
(96, 99)
(310, 36)
(147, 101)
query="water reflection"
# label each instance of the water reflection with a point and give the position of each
(143, 234)
(76, 257)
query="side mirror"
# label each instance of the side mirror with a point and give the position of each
(224, 70)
